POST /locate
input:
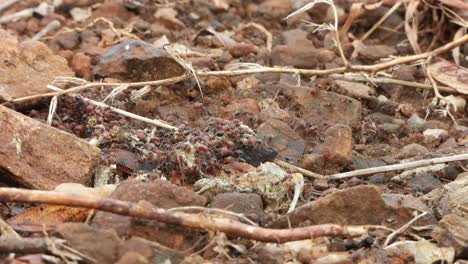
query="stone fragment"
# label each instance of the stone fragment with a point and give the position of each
(157, 193)
(275, 8)
(243, 203)
(83, 238)
(38, 156)
(424, 183)
(360, 205)
(355, 90)
(324, 109)
(407, 110)
(81, 65)
(423, 251)
(452, 231)
(412, 150)
(26, 68)
(416, 122)
(136, 60)
(338, 147)
(282, 139)
(300, 57)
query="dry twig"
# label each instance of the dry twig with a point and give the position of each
(195, 221)
(402, 229)
(369, 171)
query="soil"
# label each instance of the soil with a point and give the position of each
(230, 130)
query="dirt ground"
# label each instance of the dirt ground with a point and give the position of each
(230, 131)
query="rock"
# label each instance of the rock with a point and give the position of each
(452, 231)
(412, 150)
(157, 193)
(38, 156)
(300, 57)
(435, 132)
(423, 251)
(137, 248)
(261, 153)
(239, 50)
(363, 162)
(338, 147)
(450, 143)
(82, 238)
(136, 60)
(132, 258)
(416, 122)
(238, 109)
(242, 203)
(27, 68)
(273, 113)
(282, 139)
(360, 205)
(275, 8)
(424, 183)
(69, 40)
(81, 65)
(321, 184)
(407, 110)
(355, 90)
(374, 52)
(324, 109)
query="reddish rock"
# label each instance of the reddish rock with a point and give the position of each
(41, 157)
(27, 67)
(453, 232)
(136, 60)
(289, 145)
(338, 147)
(83, 237)
(300, 57)
(158, 193)
(132, 258)
(360, 205)
(324, 109)
(81, 65)
(68, 40)
(243, 203)
(407, 110)
(242, 49)
(275, 8)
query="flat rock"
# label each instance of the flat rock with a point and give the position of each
(27, 67)
(360, 205)
(243, 203)
(136, 60)
(82, 237)
(338, 147)
(38, 156)
(424, 183)
(300, 57)
(412, 150)
(282, 139)
(453, 232)
(157, 193)
(355, 89)
(324, 109)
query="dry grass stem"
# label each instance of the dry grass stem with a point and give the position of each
(374, 170)
(402, 229)
(154, 122)
(53, 25)
(381, 20)
(384, 80)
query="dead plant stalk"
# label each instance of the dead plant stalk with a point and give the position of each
(189, 220)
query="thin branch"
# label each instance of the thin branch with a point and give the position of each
(383, 80)
(6, 4)
(402, 229)
(53, 25)
(381, 20)
(155, 122)
(351, 68)
(369, 171)
(83, 87)
(195, 221)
